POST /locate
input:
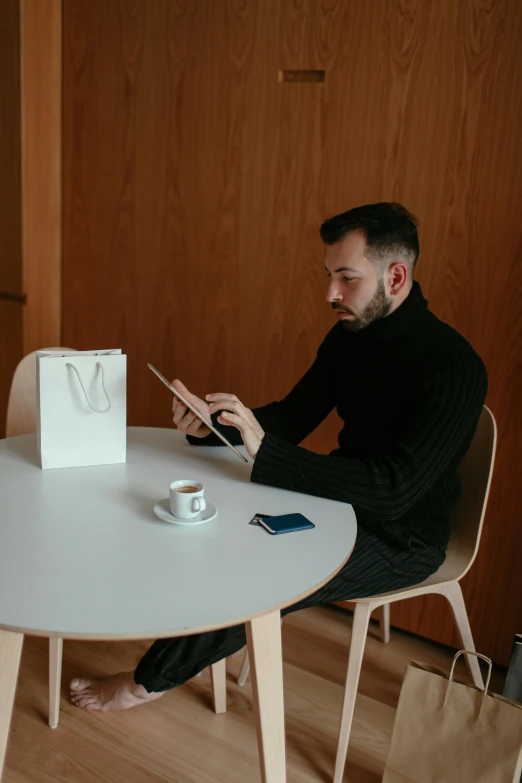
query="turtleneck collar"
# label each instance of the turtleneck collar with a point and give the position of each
(402, 320)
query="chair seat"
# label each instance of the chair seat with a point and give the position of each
(452, 570)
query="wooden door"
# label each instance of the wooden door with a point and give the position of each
(422, 104)
(179, 145)
(11, 293)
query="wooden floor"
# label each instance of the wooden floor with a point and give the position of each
(179, 739)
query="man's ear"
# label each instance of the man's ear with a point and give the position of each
(397, 277)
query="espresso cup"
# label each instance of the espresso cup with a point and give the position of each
(186, 499)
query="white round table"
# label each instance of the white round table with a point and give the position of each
(82, 556)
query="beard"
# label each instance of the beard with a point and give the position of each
(378, 307)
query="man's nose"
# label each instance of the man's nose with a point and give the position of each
(333, 293)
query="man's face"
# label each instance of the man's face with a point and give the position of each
(356, 287)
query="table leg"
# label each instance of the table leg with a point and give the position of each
(266, 660)
(10, 654)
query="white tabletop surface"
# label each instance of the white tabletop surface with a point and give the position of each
(82, 554)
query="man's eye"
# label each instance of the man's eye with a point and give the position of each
(348, 278)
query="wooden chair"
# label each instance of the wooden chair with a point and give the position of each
(475, 474)
(21, 420)
(384, 633)
(21, 408)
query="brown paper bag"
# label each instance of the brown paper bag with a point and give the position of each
(448, 732)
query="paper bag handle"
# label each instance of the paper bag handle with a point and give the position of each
(89, 403)
(478, 655)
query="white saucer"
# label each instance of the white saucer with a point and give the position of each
(162, 511)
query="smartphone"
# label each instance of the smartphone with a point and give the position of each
(285, 523)
(194, 410)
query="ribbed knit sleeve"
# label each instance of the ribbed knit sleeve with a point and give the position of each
(444, 413)
(298, 414)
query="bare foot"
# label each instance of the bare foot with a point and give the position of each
(118, 692)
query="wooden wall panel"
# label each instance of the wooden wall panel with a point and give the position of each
(41, 108)
(195, 183)
(422, 104)
(10, 199)
(178, 156)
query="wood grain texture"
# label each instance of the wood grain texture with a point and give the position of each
(179, 738)
(10, 654)
(265, 652)
(195, 184)
(178, 164)
(10, 199)
(421, 104)
(41, 107)
(10, 151)
(11, 351)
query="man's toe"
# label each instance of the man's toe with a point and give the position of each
(86, 703)
(80, 685)
(93, 704)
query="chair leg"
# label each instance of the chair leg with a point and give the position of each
(218, 672)
(453, 593)
(385, 623)
(55, 680)
(361, 619)
(245, 669)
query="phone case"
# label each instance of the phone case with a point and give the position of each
(286, 523)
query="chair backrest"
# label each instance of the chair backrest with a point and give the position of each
(21, 408)
(475, 472)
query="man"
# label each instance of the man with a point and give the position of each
(409, 390)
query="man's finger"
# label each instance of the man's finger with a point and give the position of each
(180, 386)
(220, 396)
(179, 413)
(188, 419)
(230, 404)
(195, 427)
(185, 418)
(233, 419)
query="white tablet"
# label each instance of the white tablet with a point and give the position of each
(194, 410)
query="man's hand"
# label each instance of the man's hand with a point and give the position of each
(234, 413)
(184, 419)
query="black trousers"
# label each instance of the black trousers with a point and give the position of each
(375, 566)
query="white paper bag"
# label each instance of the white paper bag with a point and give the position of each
(81, 408)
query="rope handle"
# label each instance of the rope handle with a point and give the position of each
(89, 403)
(478, 655)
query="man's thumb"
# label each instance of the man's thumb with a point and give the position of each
(179, 386)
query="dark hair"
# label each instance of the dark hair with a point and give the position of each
(390, 231)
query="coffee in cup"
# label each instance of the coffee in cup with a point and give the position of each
(186, 499)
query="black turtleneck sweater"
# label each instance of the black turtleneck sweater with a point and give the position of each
(409, 390)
